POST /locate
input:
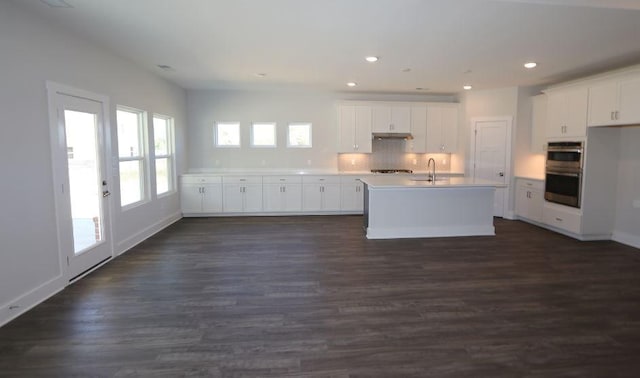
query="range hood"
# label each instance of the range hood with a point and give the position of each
(392, 136)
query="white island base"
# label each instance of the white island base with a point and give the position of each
(422, 210)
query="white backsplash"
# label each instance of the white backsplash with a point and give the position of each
(390, 154)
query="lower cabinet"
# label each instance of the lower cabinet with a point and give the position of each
(242, 194)
(529, 199)
(562, 217)
(352, 194)
(201, 194)
(321, 193)
(282, 193)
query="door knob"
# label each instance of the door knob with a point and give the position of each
(105, 193)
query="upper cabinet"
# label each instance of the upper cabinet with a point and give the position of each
(615, 102)
(567, 112)
(354, 124)
(442, 128)
(538, 123)
(390, 118)
(418, 130)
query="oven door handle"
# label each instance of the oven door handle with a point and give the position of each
(569, 174)
(564, 150)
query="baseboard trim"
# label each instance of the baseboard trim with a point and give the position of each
(27, 301)
(146, 233)
(626, 238)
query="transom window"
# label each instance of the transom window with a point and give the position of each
(299, 135)
(227, 134)
(263, 134)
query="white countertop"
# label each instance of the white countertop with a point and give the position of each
(397, 182)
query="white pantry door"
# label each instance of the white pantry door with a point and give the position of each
(81, 180)
(491, 154)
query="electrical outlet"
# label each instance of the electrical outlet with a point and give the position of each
(353, 162)
(636, 204)
(415, 161)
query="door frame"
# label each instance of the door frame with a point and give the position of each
(508, 212)
(59, 175)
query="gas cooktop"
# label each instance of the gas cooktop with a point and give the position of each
(391, 171)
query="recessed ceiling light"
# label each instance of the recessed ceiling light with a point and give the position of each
(467, 87)
(371, 59)
(57, 3)
(352, 84)
(530, 65)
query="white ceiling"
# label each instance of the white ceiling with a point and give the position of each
(321, 44)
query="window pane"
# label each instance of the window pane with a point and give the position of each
(131, 182)
(162, 175)
(299, 135)
(129, 130)
(228, 134)
(263, 134)
(161, 136)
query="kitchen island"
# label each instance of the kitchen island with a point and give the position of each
(412, 207)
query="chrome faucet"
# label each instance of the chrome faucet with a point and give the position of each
(432, 171)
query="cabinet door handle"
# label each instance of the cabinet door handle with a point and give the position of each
(617, 112)
(559, 219)
(284, 189)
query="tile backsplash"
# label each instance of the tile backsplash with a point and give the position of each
(390, 154)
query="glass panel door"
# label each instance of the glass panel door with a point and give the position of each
(85, 188)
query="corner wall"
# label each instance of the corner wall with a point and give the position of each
(34, 51)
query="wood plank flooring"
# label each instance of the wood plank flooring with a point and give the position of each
(312, 297)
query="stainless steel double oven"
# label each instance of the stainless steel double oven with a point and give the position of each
(563, 175)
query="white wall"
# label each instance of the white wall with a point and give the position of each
(627, 223)
(205, 108)
(526, 163)
(33, 52)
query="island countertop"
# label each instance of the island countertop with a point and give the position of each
(414, 181)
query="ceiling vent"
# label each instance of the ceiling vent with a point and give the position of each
(57, 3)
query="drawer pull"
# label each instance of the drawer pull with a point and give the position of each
(559, 219)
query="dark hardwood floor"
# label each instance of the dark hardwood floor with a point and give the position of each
(312, 297)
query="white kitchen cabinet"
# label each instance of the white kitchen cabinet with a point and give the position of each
(538, 124)
(282, 193)
(242, 194)
(562, 217)
(201, 194)
(354, 123)
(418, 130)
(442, 128)
(615, 102)
(352, 193)
(321, 193)
(391, 118)
(567, 112)
(529, 199)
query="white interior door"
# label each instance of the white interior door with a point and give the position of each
(81, 179)
(491, 153)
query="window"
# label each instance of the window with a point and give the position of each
(131, 155)
(163, 153)
(299, 135)
(227, 134)
(263, 135)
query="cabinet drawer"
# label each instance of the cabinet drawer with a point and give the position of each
(242, 179)
(351, 179)
(282, 179)
(565, 219)
(199, 179)
(328, 179)
(531, 184)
